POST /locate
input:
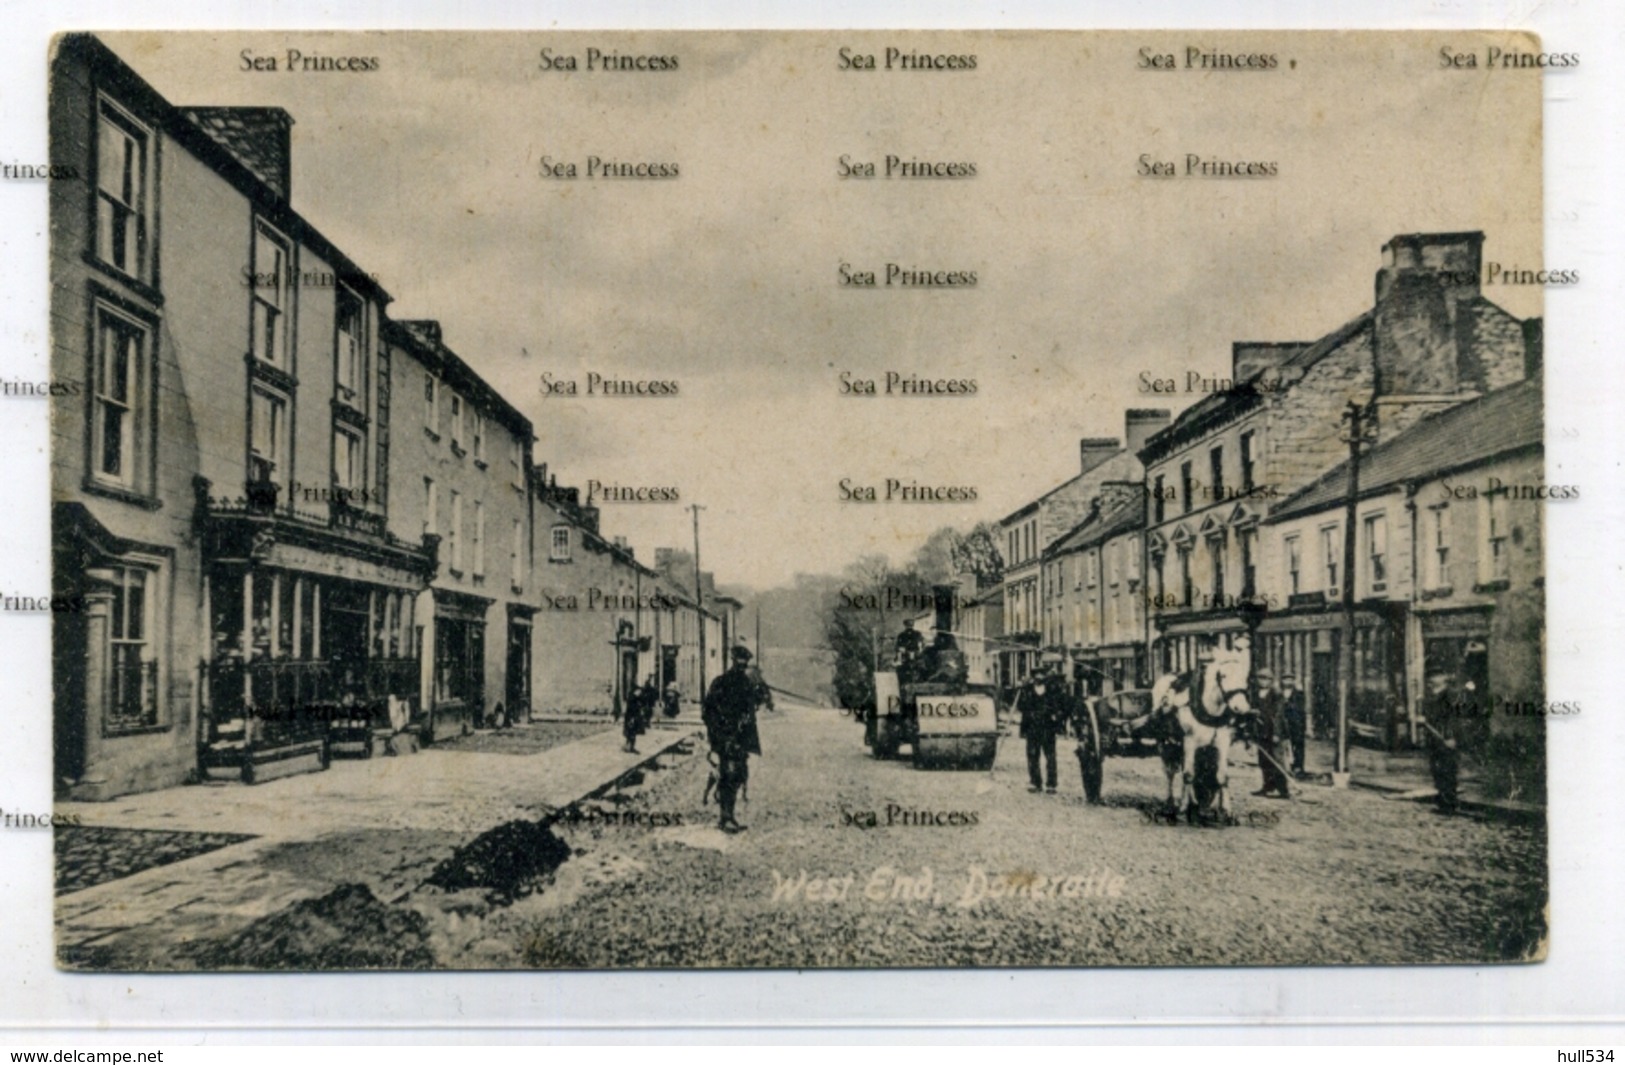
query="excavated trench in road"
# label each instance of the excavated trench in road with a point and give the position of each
(350, 928)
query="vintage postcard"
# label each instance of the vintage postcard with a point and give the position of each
(798, 499)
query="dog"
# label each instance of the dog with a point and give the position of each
(711, 780)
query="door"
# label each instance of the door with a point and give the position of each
(518, 694)
(1323, 693)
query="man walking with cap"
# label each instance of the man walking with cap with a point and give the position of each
(1043, 714)
(730, 725)
(1269, 726)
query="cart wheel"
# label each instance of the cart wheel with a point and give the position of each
(1091, 756)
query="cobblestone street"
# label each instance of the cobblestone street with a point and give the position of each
(1332, 876)
(957, 868)
(148, 872)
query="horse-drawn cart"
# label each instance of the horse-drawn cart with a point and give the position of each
(1114, 724)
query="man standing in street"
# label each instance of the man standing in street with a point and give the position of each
(910, 644)
(1043, 714)
(1441, 713)
(1269, 725)
(1297, 722)
(730, 726)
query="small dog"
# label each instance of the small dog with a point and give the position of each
(712, 779)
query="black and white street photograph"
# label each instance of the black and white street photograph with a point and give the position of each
(799, 500)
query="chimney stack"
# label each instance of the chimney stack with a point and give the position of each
(1454, 261)
(1142, 423)
(1424, 277)
(257, 137)
(1093, 450)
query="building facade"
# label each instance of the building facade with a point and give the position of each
(219, 498)
(1448, 572)
(606, 622)
(1095, 602)
(1032, 529)
(279, 517)
(460, 461)
(1429, 342)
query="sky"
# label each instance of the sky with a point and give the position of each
(726, 280)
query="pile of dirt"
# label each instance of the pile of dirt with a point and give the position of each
(347, 928)
(505, 862)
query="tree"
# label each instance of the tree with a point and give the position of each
(861, 619)
(936, 560)
(978, 552)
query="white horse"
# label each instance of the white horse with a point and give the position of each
(1204, 728)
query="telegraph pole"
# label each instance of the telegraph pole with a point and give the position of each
(699, 596)
(1360, 423)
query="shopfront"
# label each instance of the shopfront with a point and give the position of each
(1307, 644)
(307, 630)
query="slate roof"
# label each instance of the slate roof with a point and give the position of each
(1125, 514)
(1215, 409)
(245, 132)
(1469, 434)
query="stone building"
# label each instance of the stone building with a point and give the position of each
(1094, 596)
(1448, 573)
(1030, 530)
(1429, 341)
(981, 622)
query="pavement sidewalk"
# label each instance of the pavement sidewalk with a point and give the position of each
(384, 822)
(1405, 775)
